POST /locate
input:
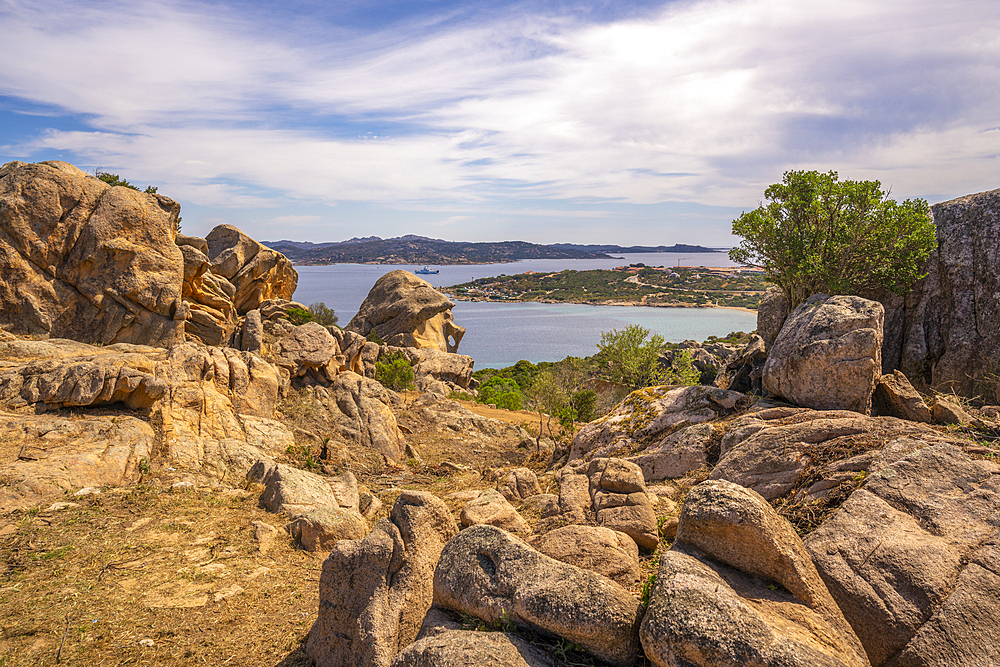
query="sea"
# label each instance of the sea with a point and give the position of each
(500, 334)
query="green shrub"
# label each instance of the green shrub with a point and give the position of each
(394, 371)
(323, 315)
(299, 316)
(501, 392)
(818, 234)
(373, 337)
(627, 358)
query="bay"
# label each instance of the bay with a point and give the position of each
(500, 334)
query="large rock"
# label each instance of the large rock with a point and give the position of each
(771, 315)
(594, 548)
(212, 317)
(912, 559)
(462, 648)
(375, 592)
(713, 604)
(213, 407)
(646, 419)
(257, 273)
(607, 492)
(358, 411)
(828, 354)
(496, 577)
(406, 311)
(49, 455)
(87, 261)
(810, 457)
(491, 508)
(895, 397)
(945, 335)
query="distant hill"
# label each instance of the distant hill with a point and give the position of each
(411, 249)
(678, 247)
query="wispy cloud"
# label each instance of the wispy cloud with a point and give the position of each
(704, 101)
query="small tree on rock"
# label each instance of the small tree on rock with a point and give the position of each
(819, 234)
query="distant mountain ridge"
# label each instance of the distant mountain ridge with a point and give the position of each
(413, 249)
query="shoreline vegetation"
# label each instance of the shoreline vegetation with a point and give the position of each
(739, 288)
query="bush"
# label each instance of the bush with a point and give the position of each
(501, 392)
(628, 358)
(299, 316)
(818, 234)
(323, 315)
(394, 372)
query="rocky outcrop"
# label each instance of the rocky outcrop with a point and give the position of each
(518, 484)
(494, 576)
(83, 260)
(48, 455)
(828, 354)
(714, 604)
(912, 559)
(606, 492)
(945, 334)
(213, 407)
(771, 315)
(895, 397)
(646, 421)
(357, 410)
(809, 456)
(492, 509)
(257, 273)
(213, 317)
(322, 509)
(405, 311)
(374, 592)
(594, 548)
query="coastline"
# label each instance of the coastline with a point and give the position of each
(600, 303)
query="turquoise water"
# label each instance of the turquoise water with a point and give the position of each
(500, 334)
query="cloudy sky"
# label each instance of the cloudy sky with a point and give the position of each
(547, 120)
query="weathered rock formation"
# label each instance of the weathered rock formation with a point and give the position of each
(405, 311)
(714, 603)
(912, 559)
(594, 548)
(322, 509)
(100, 264)
(647, 421)
(375, 592)
(606, 492)
(213, 407)
(945, 334)
(494, 576)
(828, 354)
(83, 260)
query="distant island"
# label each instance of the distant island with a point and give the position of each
(412, 249)
(634, 285)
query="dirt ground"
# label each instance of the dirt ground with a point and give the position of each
(154, 575)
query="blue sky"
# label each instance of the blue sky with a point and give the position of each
(590, 122)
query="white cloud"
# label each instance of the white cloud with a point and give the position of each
(707, 102)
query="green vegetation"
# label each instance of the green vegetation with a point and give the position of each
(502, 392)
(394, 371)
(318, 313)
(818, 234)
(114, 180)
(638, 283)
(628, 358)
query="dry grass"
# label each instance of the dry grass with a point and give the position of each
(178, 570)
